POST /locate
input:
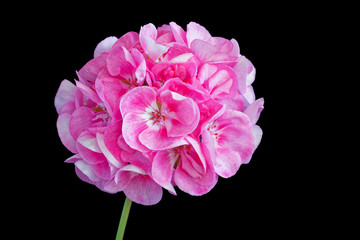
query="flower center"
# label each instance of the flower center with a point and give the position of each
(212, 129)
(132, 82)
(176, 153)
(154, 115)
(102, 115)
(157, 117)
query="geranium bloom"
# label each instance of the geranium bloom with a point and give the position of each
(154, 121)
(163, 108)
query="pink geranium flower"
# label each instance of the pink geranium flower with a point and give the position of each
(188, 165)
(153, 121)
(165, 108)
(222, 134)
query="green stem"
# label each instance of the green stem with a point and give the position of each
(123, 219)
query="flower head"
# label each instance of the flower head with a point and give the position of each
(160, 109)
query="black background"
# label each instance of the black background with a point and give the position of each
(269, 197)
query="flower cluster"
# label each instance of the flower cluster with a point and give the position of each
(160, 108)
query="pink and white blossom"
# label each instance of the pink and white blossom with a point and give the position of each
(165, 108)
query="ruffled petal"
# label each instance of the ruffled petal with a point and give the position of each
(81, 120)
(85, 172)
(147, 38)
(65, 94)
(89, 150)
(196, 31)
(101, 143)
(253, 110)
(110, 90)
(234, 126)
(102, 170)
(195, 186)
(111, 136)
(138, 100)
(179, 33)
(215, 50)
(133, 126)
(136, 158)
(182, 114)
(128, 40)
(163, 167)
(143, 190)
(92, 68)
(156, 138)
(227, 162)
(104, 46)
(219, 80)
(66, 138)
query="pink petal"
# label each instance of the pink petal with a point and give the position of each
(186, 90)
(164, 35)
(250, 73)
(140, 64)
(196, 31)
(197, 152)
(123, 145)
(111, 187)
(86, 151)
(128, 40)
(111, 136)
(209, 111)
(163, 167)
(120, 62)
(191, 164)
(73, 159)
(253, 110)
(123, 178)
(133, 126)
(138, 100)
(182, 114)
(219, 80)
(156, 138)
(178, 54)
(88, 92)
(101, 143)
(92, 68)
(148, 30)
(104, 46)
(235, 130)
(257, 134)
(143, 190)
(68, 108)
(195, 186)
(227, 162)
(206, 71)
(110, 90)
(207, 145)
(133, 169)
(240, 69)
(136, 158)
(80, 121)
(85, 172)
(236, 103)
(102, 170)
(195, 173)
(89, 141)
(147, 38)
(249, 96)
(65, 94)
(66, 138)
(214, 50)
(179, 33)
